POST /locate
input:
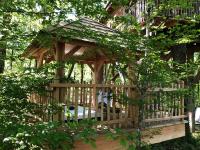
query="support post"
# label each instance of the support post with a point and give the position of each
(97, 80)
(98, 72)
(134, 94)
(59, 75)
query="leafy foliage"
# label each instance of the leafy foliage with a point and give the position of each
(179, 144)
(20, 22)
(19, 124)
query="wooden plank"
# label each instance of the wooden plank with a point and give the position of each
(76, 103)
(165, 118)
(56, 97)
(157, 105)
(84, 100)
(73, 96)
(95, 101)
(65, 96)
(108, 104)
(61, 102)
(102, 103)
(130, 109)
(68, 98)
(125, 105)
(162, 104)
(70, 85)
(114, 105)
(116, 121)
(149, 108)
(172, 103)
(163, 89)
(157, 135)
(90, 103)
(82, 43)
(89, 85)
(182, 99)
(71, 52)
(120, 106)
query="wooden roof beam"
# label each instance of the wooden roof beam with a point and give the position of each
(72, 51)
(91, 67)
(41, 58)
(82, 43)
(100, 52)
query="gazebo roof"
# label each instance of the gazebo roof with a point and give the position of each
(85, 40)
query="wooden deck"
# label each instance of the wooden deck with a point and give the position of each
(112, 106)
(158, 134)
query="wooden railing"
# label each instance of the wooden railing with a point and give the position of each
(164, 105)
(141, 7)
(104, 103)
(110, 104)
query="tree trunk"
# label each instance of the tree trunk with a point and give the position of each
(3, 44)
(2, 57)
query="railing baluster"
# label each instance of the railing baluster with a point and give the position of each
(120, 105)
(84, 100)
(76, 99)
(126, 106)
(175, 104)
(95, 99)
(73, 95)
(90, 102)
(108, 104)
(102, 103)
(114, 117)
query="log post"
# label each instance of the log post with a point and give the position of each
(134, 94)
(98, 72)
(97, 79)
(59, 75)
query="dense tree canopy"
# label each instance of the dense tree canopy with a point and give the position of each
(160, 54)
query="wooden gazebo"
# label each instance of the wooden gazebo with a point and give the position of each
(76, 41)
(109, 103)
(83, 49)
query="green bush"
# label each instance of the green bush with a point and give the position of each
(17, 128)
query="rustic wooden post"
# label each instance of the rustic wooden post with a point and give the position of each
(134, 94)
(59, 75)
(98, 65)
(96, 80)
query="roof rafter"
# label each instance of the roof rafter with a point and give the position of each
(72, 51)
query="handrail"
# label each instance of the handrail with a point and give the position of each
(63, 85)
(90, 101)
(140, 7)
(163, 89)
(165, 118)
